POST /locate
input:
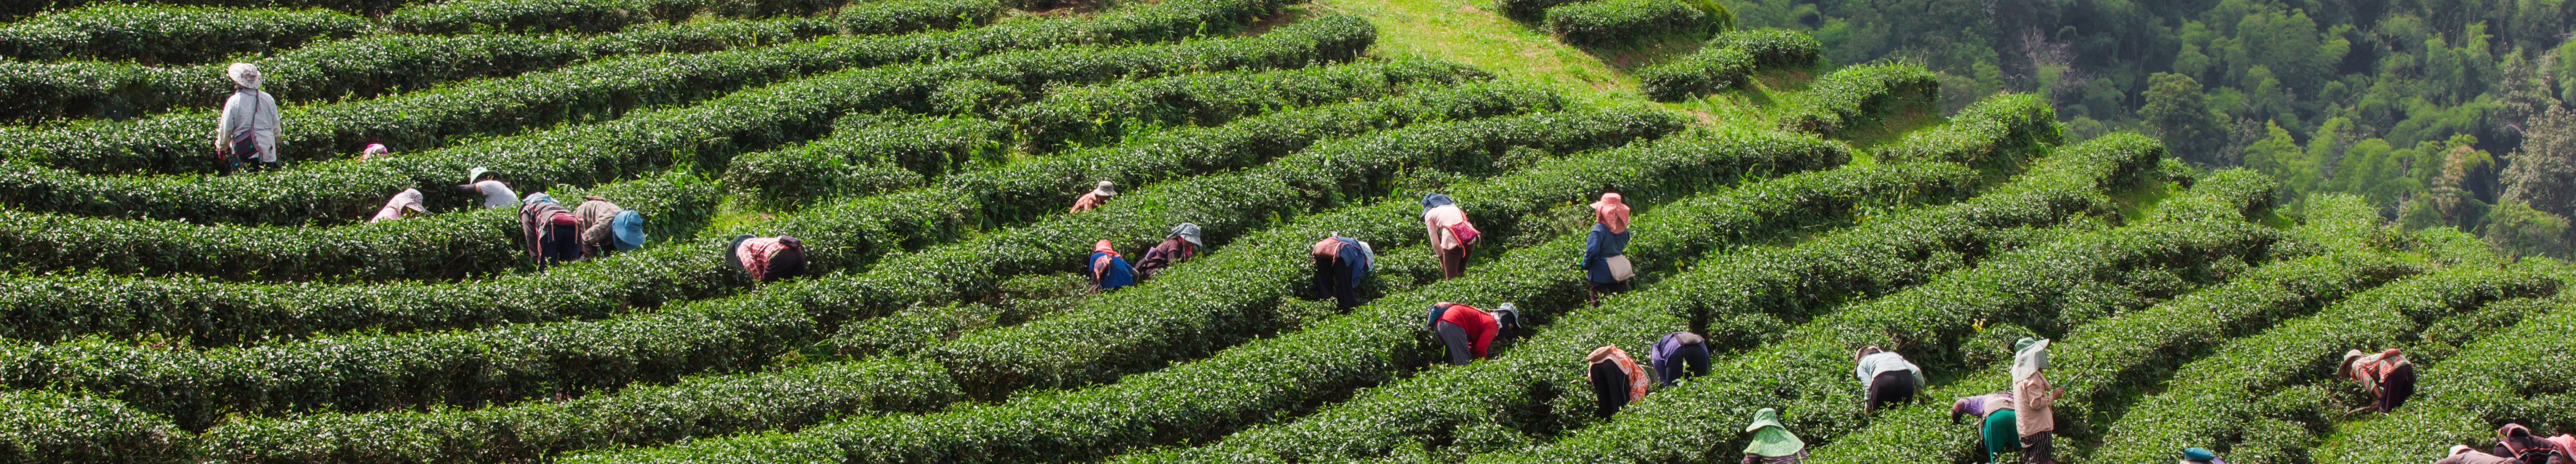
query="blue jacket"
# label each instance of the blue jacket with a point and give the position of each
(1600, 246)
(1119, 273)
(1360, 258)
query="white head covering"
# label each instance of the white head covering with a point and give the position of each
(2029, 355)
(244, 74)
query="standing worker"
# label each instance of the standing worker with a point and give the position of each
(487, 183)
(405, 202)
(1178, 247)
(606, 227)
(1605, 264)
(1467, 331)
(1616, 380)
(767, 258)
(552, 233)
(1679, 355)
(1098, 195)
(1885, 377)
(2385, 375)
(1450, 233)
(1772, 442)
(2034, 401)
(248, 125)
(1109, 271)
(1340, 263)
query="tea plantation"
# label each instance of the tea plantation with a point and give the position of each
(1791, 210)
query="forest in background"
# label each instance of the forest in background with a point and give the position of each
(2442, 113)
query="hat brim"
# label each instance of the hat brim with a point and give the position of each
(629, 229)
(1105, 193)
(733, 253)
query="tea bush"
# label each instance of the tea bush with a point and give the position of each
(158, 34)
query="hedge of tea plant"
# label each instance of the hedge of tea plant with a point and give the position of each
(2072, 275)
(1853, 95)
(455, 245)
(1104, 114)
(2298, 351)
(54, 427)
(865, 154)
(1600, 23)
(2104, 362)
(2511, 375)
(600, 16)
(696, 407)
(361, 67)
(901, 16)
(206, 314)
(647, 141)
(1999, 130)
(169, 34)
(601, 89)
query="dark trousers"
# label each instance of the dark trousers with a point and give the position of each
(1456, 339)
(1685, 362)
(1890, 387)
(1601, 290)
(1453, 263)
(1609, 389)
(2037, 449)
(246, 148)
(1333, 277)
(562, 245)
(2395, 387)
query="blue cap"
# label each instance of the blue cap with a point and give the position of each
(2198, 455)
(629, 228)
(1436, 200)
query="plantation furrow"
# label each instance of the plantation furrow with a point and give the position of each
(175, 143)
(356, 68)
(849, 235)
(707, 134)
(374, 372)
(2075, 276)
(457, 245)
(2515, 374)
(1493, 399)
(170, 34)
(2297, 352)
(1727, 62)
(1248, 383)
(1843, 100)
(2102, 361)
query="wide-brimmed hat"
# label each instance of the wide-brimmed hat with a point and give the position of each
(1436, 200)
(629, 229)
(243, 74)
(476, 174)
(411, 198)
(1507, 316)
(1106, 188)
(2196, 454)
(1188, 233)
(1770, 437)
(373, 150)
(2029, 355)
(2344, 368)
(733, 253)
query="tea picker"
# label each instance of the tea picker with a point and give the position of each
(1340, 263)
(248, 125)
(403, 203)
(1449, 233)
(1108, 270)
(1467, 332)
(1605, 265)
(1099, 195)
(1178, 247)
(1772, 443)
(1885, 377)
(551, 231)
(487, 183)
(767, 258)
(2034, 401)
(1679, 355)
(605, 227)
(1616, 380)
(2385, 375)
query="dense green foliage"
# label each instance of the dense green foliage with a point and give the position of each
(1726, 62)
(169, 34)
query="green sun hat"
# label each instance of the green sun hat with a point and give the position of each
(1770, 439)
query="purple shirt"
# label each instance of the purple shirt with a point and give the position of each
(1981, 404)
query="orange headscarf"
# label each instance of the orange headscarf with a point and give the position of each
(1611, 212)
(1103, 247)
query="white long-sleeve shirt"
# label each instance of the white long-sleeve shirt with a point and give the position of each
(249, 111)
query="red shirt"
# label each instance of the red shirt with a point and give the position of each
(1479, 326)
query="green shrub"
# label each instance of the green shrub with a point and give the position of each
(516, 16)
(1772, 47)
(1531, 11)
(456, 245)
(2296, 352)
(1700, 73)
(175, 35)
(864, 155)
(900, 16)
(1601, 23)
(646, 141)
(422, 120)
(1999, 130)
(693, 408)
(1842, 100)
(844, 236)
(54, 427)
(1252, 382)
(1104, 114)
(361, 67)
